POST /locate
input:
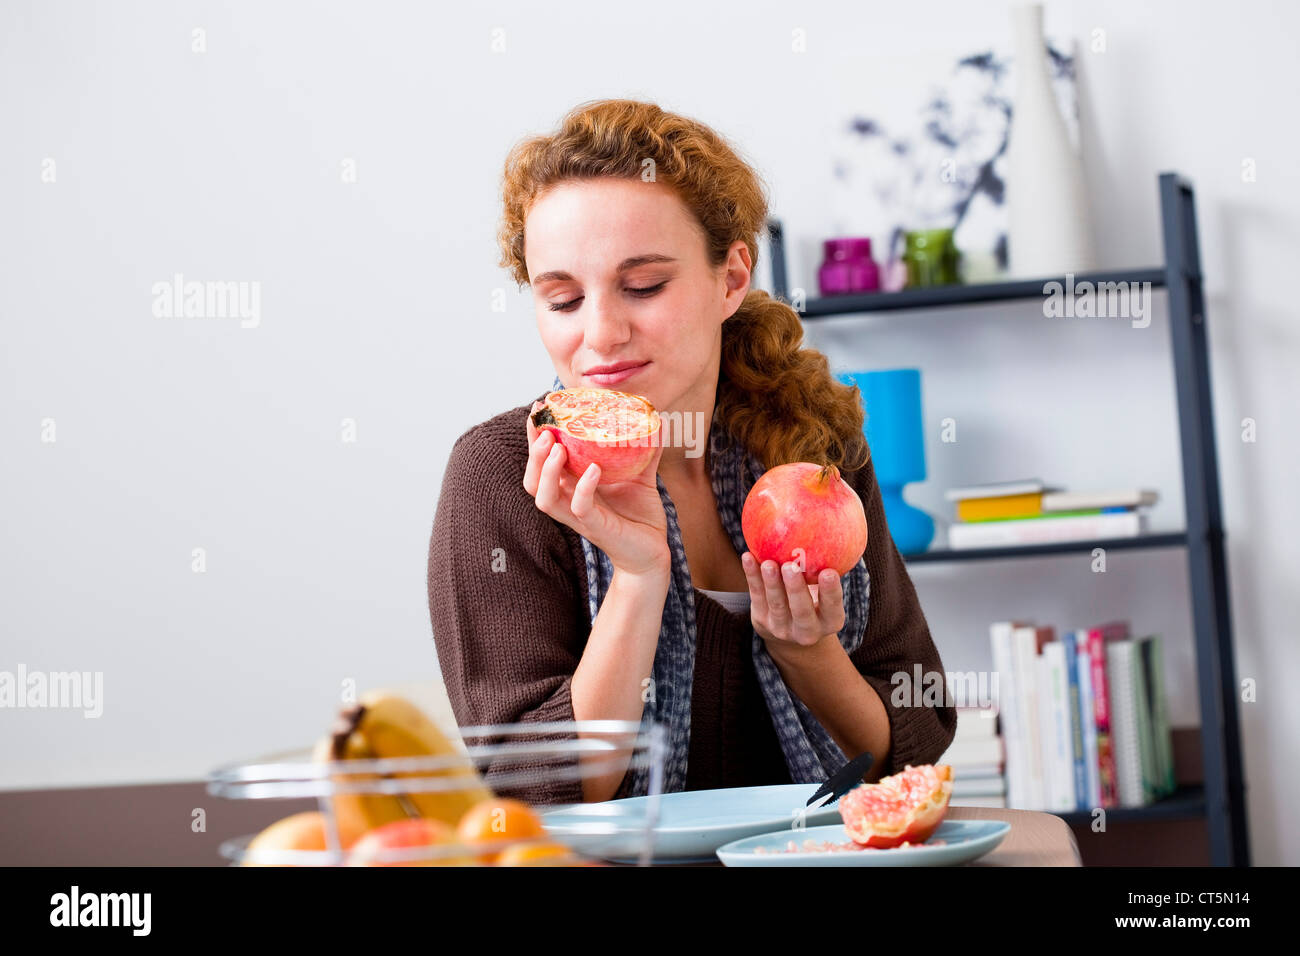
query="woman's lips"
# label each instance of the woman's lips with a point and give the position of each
(613, 378)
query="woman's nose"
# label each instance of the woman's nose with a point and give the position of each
(606, 329)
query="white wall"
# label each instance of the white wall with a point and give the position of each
(176, 434)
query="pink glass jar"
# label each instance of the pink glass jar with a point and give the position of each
(847, 267)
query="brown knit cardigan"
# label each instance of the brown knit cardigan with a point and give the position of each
(508, 603)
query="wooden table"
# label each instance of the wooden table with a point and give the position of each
(151, 825)
(1036, 839)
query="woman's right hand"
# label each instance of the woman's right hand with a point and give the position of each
(625, 519)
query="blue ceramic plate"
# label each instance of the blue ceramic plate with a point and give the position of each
(692, 823)
(956, 841)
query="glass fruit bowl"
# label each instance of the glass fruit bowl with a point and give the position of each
(483, 803)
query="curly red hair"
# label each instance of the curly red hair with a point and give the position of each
(778, 398)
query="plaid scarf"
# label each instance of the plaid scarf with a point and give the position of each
(810, 753)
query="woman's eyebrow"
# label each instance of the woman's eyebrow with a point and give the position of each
(630, 263)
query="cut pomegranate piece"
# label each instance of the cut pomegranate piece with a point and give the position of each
(904, 808)
(616, 430)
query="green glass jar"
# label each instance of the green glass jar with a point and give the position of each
(930, 257)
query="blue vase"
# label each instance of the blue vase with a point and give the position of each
(892, 402)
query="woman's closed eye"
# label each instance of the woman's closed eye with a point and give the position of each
(641, 293)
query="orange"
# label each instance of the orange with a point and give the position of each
(499, 818)
(538, 854)
(301, 831)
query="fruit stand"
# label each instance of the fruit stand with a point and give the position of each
(394, 791)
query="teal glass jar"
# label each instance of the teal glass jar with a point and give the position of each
(930, 257)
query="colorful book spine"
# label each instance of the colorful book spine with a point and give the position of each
(1070, 645)
(1142, 706)
(1007, 506)
(1126, 734)
(1046, 726)
(1101, 694)
(1088, 721)
(1165, 782)
(1046, 515)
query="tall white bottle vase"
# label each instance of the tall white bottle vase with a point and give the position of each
(1049, 231)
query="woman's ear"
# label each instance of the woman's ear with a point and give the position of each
(739, 269)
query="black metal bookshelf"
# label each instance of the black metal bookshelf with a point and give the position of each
(1185, 803)
(1220, 799)
(940, 555)
(962, 295)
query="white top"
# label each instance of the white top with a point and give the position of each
(735, 601)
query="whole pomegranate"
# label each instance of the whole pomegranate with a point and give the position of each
(805, 512)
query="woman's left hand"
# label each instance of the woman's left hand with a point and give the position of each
(785, 608)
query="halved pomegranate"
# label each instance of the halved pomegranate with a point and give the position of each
(617, 431)
(904, 808)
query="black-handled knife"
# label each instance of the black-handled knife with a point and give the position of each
(844, 779)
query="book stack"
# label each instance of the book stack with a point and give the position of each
(1009, 513)
(978, 760)
(1082, 716)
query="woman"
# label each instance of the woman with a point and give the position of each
(637, 231)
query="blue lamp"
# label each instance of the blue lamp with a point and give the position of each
(893, 426)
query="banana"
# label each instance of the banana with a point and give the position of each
(394, 727)
(357, 812)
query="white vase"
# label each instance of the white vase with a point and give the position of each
(1049, 231)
